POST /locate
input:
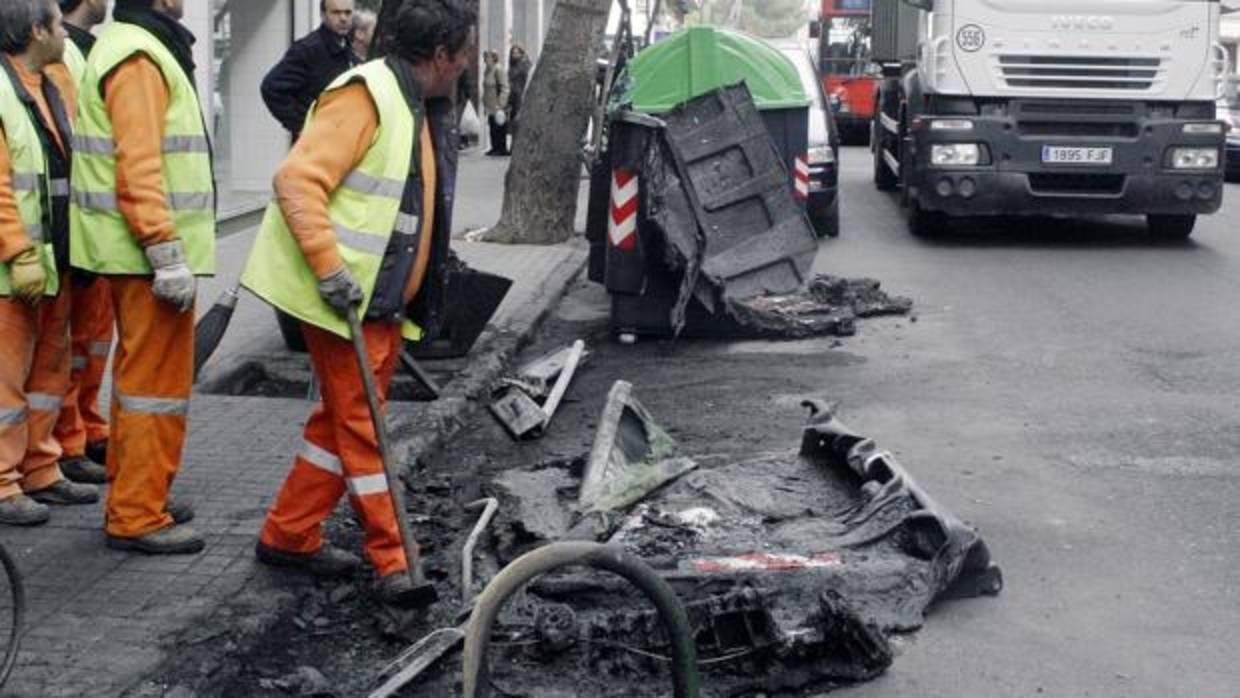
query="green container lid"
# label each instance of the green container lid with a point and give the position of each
(699, 59)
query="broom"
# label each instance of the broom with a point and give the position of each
(210, 329)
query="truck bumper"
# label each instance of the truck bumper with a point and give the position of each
(1013, 177)
(987, 192)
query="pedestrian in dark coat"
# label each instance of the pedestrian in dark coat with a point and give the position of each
(309, 65)
(519, 68)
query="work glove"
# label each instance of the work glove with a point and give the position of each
(174, 282)
(500, 118)
(28, 278)
(340, 290)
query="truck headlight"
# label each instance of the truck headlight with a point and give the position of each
(951, 125)
(955, 154)
(820, 154)
(1206, 129)
(1194, 158)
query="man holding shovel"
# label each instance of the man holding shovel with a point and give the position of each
(360, 227)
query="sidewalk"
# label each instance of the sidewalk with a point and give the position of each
(98, 620)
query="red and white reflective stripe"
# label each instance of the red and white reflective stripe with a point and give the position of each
(765, 562)
(800, 177)
(622, 225)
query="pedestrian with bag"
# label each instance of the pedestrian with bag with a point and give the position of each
(143, 214)
(82, 430)
(495, 102)
(309, 65)
(361, 223)
(35, 141)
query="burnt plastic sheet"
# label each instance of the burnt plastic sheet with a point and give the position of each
(795, 568)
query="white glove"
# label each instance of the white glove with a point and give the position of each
(500, 118)
(174, 282)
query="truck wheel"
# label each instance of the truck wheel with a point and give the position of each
(926, 224)
(884, 178)
(290, 330)
(1171, 226)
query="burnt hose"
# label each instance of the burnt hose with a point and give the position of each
(589, 554)
(19, 614)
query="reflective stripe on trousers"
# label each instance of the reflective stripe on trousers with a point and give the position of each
(152, 374)
(341, 454)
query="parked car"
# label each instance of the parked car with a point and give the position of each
(824, 144)
(1228, 111)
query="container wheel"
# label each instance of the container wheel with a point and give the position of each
(1171, 226)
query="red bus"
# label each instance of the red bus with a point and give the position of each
(849, 77)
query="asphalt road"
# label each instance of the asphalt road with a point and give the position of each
(1071, 388)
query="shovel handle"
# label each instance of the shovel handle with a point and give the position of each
(395, 486)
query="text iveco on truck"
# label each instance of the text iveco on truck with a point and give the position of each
(1061, 107)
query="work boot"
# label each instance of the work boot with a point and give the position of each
(327, 561)
(170, 540)
(180, 511)
(84, 470)
(65, 492)
(20, 510)
(97, 451)
(397, 589)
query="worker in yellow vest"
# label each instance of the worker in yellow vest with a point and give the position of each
(82, 430)
(143, 214)
(34, 304)
(362, 218)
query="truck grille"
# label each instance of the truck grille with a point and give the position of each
(1080, 72)
(1056, 183)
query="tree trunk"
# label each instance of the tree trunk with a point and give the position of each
(544, 175)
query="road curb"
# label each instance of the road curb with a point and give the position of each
(421, 430)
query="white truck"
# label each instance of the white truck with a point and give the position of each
(1056, 107)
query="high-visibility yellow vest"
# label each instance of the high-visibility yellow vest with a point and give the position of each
(31, 184)
(75, 62)
(99, 237)
(364, 211)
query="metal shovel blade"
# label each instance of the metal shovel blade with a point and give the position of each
(416, 660)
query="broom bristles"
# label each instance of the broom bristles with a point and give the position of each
(211, 328)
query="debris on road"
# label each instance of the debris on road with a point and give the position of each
(516, 407)
(830, 305)
(793, 568)
(632, 456)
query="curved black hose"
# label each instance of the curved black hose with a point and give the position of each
(19, 615)
(605, 557)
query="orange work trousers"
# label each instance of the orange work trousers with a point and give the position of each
(90, 334)
(152, 375)
(341, 452)
(34, 375)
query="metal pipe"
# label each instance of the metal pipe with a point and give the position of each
(467, 555)
(590, 554)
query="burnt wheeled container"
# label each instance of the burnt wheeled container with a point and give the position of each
(628, 251)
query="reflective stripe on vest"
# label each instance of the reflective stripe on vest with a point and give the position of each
(28, 175)
(364, 210)
(99, 237)
(100, 348)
